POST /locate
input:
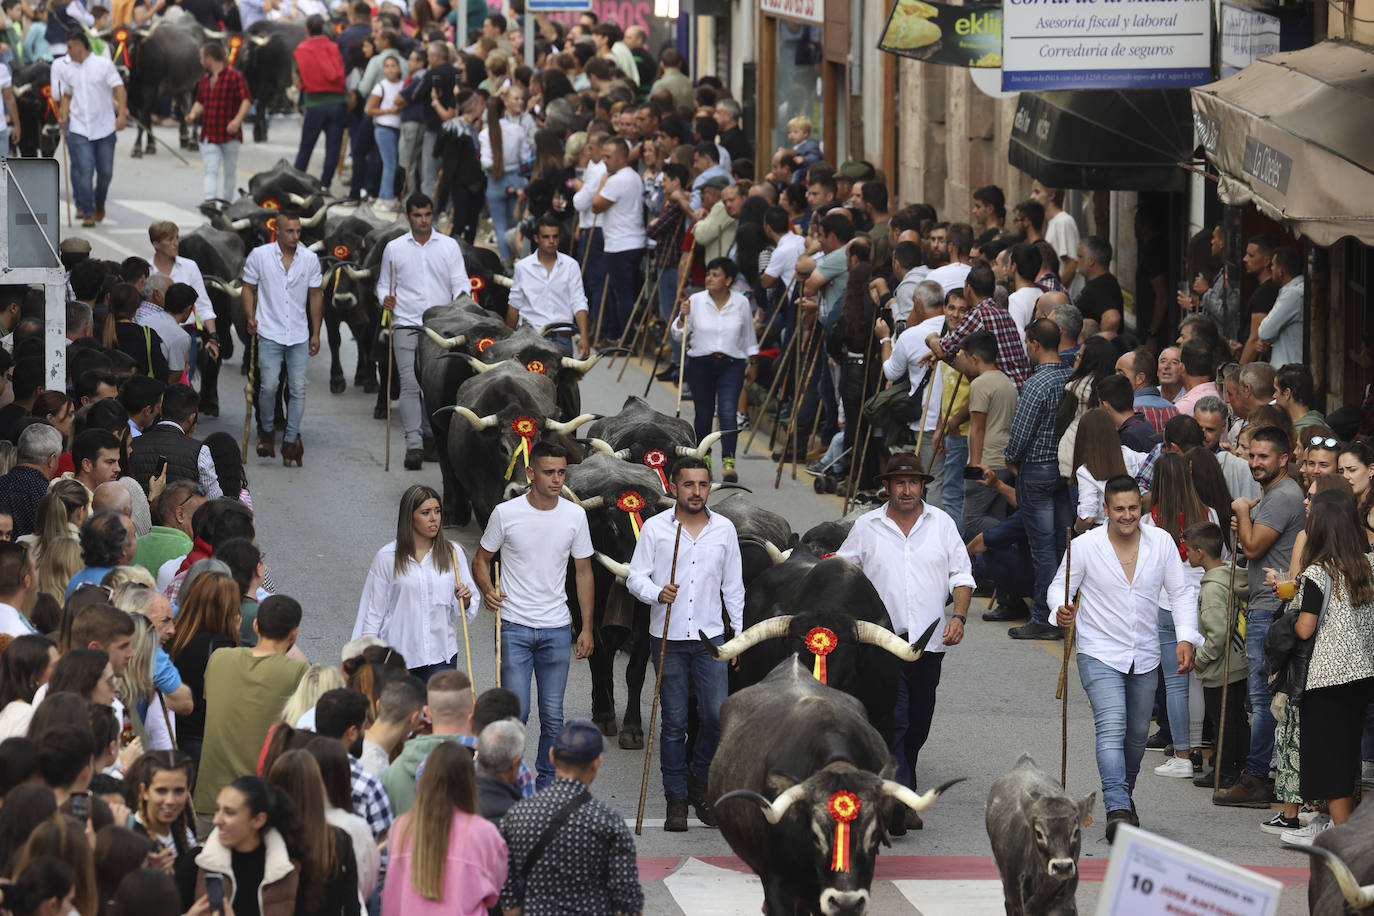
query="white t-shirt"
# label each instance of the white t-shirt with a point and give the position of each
(623, 224)
(950, 277)
(535, 546)
(1062, 234)
(388, 92)
(783, 263)
(1021, 305)
(5, 83)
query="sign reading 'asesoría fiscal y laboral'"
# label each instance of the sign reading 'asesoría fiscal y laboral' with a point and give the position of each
(1105, 44)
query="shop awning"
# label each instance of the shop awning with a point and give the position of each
(1104, 140)
(1291, 134)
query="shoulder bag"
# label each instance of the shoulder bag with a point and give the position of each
(1288, 655)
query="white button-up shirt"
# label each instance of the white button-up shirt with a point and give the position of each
(913, 573)
(205, 465)
(728, 330)
(89, 83)
(582, 200)
(417, 612)
(907, 352)
(184, 270)
(425, 275)
(1118, 621)
(782, 265)
(283, 294)
(544, 297)
(709, 572)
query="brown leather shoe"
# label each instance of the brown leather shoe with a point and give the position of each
(100, 213)
(267, 445)
(1249, 792)
(293, 453)
(89, 221)
(676, 821)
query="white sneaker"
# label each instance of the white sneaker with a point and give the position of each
(1304, 836)
(1178, 767)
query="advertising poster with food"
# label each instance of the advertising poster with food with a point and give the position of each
(957, 36)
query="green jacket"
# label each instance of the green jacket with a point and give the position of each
(399, 780)
(160, 545)
(1211, 622)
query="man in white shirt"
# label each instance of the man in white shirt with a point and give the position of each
(958, 244)
(587, 245)
(619, 203)
(93, 106)
(907, 356)
(17, 581)
(787, 247)
(283, 305)
(165, 308)
(538, 534)
(165, 237)
(547, 289)
(1025, 264)
(1061, 232)
(913, 555)
(419, 270)
(1123, 573)
(709, 573)
(1280, 333)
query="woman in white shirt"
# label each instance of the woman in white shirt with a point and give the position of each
(25, 666)
(502, 151)
(413, 591)
(1098, 456)
(384, 107)
(721, 343)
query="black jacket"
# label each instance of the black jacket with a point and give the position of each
(494, 796)
(159, 441)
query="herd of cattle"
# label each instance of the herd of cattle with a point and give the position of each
(494, 391)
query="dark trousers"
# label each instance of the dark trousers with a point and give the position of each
(856, 429)
(820, 391)
(715, 382)
(330, 119)
(589, 255)
(1007, 560)
(208, 366)
(1233, 739)
(913, 711)
(367, 160)
(425, 672)
(622, 269)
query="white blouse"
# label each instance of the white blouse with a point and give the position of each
(1091, 490)
(416, 612)
(728, 330)
(516, 146)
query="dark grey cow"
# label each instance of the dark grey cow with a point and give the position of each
(1343, 867)
(641, 435)
(1035, 831)
(792, 751)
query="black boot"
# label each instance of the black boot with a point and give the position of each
(696, 794)
(676, 821)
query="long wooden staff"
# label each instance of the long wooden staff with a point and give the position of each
(165, 145)
(658, 685)
(390, 359)
(248, 392)
(1225, 676)
(588, 250)
(1062, 691)
(496, 583)
(463, 608)
(67, 167)
(601, 309)
(925, 409)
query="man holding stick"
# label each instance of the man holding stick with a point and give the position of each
(420, 269)
(537, 534)
(709, 572)
(1121, 573)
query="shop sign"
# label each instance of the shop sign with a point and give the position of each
(803, 10)
(1267, 164)
(1106, 44)
(958, 36)
(1208, 131)
(1246, 36)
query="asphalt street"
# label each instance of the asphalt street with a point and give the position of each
(320, 526)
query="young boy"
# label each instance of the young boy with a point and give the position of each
(799, 135)
(1204, 545)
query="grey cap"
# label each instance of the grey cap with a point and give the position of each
(716, 182)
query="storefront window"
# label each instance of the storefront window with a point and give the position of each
(798, 80)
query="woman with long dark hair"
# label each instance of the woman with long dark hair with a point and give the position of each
(446, 858)
(1096, 359)
(1210, 484)
(415, 587)
(504, 147)
(328, 870)
(208, 620)
(25, 666)
(1098, 456)
(87, 673)
(255, 838)
(336, 772)
(1356, 464)
(63, 838)
(157, 789)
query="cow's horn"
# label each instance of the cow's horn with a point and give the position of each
(545, 330)
(478, 423)
(355, 273)
(21, 91)
(614, 567)
(260, 40)
(718, 485)
(444, 343)
(582, 366)
(774, 810)
(570, 427)
(874, 635)
(477, 365)
(772, 628)
(601, 445)
(917, 803)
(310, 222)
(295, 199)
(774, 554)
(239, 225)
(703, 448)
(217, 36)
(1358, 896)
(502, 280)
(316, 247)
(594, 502)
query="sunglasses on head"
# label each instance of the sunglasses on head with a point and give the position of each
(1324, 442)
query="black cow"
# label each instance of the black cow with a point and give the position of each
(1342, 879)
(284, 185)
(264, 59)
(793, 753)
(219, 253)
(256, 224)
(39, 131)
(1036, 835)
(499, 406)
(826, 538)
(794, 598)
(158, 64)
(642, 435)
(611, 490)
(343, 242)
(527, 346)
(763, 535)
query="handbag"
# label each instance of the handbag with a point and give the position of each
(1287, 655)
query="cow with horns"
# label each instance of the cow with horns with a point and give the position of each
(263, 55)
(39, 130)
(1342, 879)
(159, 63)
(801, 788)
(642, 435)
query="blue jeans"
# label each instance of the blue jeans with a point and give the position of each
(715, 382)
(588, 252)
(215, 156)
(1176, 685)
(388, 141)
(952, 495)
(270, 356)
(330, 119)
(667, 289)
(1262, 723)
(1043, 501)
(688, 660)
(91, 157)
(621, 269)
(545, 654)
(501, 203)
(1121, 706)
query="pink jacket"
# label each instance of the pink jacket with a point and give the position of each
(476, 870)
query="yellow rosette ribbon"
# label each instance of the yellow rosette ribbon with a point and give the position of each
(843, 807)
(525, 428)
(820, 642)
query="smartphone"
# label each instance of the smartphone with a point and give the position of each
(161, 465)
(214, 892)
(81, 805)
(973, 472)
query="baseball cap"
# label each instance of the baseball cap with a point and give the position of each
(716, 182)
(855, 171)
(579, 742)
(74, 245)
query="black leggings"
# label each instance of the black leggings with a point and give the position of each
(1233, 741)
(1329, 735)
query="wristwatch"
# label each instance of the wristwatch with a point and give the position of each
(961, 618)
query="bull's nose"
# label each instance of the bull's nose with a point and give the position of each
(1062, 868)
(843, 903)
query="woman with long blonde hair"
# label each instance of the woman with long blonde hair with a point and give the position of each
(446, 858)
(299, 711)
(208, 620)
(60, 514)
(60, 561)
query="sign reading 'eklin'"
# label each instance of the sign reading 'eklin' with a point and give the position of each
(959, 36)
(1105, 44)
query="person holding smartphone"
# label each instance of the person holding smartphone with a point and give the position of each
(246, 865)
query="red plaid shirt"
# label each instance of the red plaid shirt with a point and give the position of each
(219, 103)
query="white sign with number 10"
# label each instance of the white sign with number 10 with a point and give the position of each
(1149, 875)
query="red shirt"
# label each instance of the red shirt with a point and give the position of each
(219, 101)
